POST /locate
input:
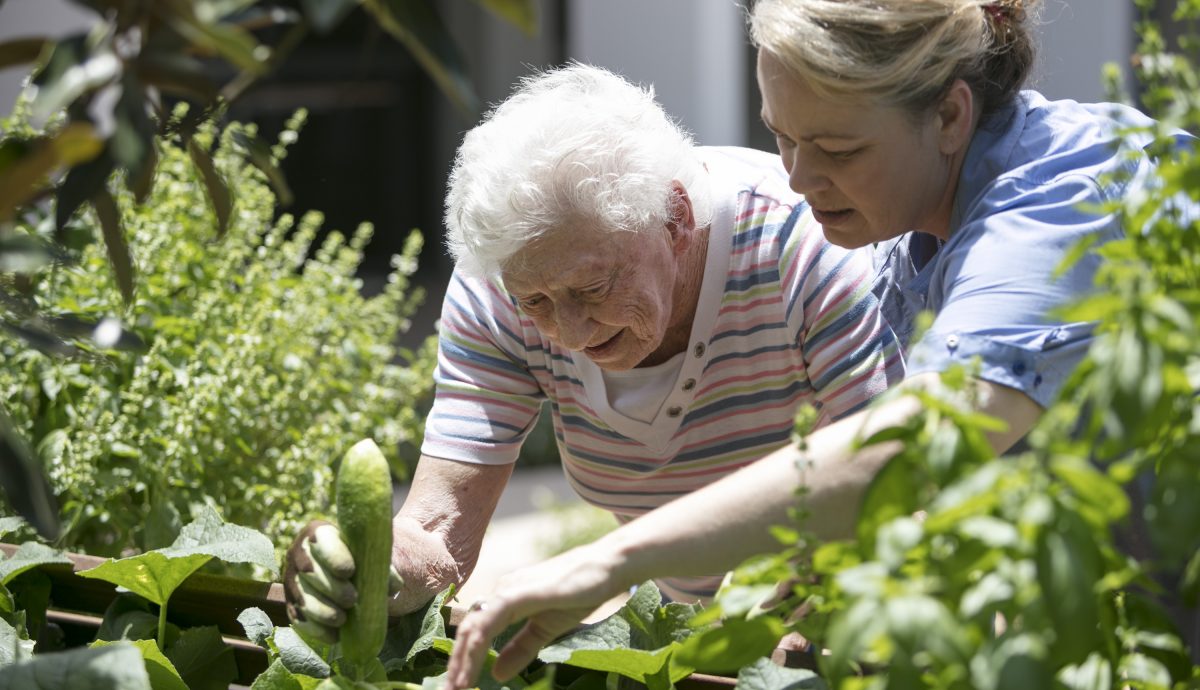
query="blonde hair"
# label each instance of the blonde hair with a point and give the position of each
(574, 145)
(900, 52)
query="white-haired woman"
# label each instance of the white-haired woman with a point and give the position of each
(675, 305)
(903, 124)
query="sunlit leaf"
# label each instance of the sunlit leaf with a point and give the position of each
(416, 24)
(765, 674)
(119, 256)
(162, 673)
(731, 645)
(118, 666)
(230, 42)
(98, 70)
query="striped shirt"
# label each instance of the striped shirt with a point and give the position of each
(784, 319)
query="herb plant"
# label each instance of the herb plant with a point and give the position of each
(263, 363)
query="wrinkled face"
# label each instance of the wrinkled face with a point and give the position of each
(609, 295)
(870, 173)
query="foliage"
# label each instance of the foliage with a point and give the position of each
(971, 571)
(107, 94)
(263, 363)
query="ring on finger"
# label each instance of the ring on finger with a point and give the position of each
(477, 605)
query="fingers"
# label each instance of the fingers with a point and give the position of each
(340, 592)
(523, 648)
(316, 608)
(327, 547)
(471, 644)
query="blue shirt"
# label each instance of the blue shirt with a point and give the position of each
(1031, 184)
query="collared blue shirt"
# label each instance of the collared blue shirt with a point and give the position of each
(1033, 180)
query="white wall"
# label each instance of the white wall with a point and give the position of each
(1075, 39)
(24, 18)
(692, 51)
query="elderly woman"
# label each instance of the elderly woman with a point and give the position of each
(675, 305)
(903, 124)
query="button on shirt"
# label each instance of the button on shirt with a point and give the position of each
(1018, 211)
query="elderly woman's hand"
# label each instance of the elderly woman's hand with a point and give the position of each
(555, 596)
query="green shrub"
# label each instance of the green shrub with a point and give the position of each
(265, 363)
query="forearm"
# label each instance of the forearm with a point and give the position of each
(438, 531)
(722, 524)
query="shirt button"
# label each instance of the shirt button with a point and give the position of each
(674, 411)
(699, 349)
(689, 384)
(952, 341)
(1018, 368)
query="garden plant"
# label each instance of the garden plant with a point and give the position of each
(967, 571)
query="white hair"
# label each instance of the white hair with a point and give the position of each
(572, 145)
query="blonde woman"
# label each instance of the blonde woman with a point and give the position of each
(904, 125)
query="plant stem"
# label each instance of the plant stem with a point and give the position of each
(162, 626)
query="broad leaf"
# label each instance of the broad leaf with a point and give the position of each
(128, 617)
(414, 633)
(13, 647)
(417, 25)
(276, 677)
(203, 659)
(257, 624)
(156, 574)
(637, 641)
(117, 666)
(119, 256)
(765, 674)
(297, 656)
(10, 524)
(132, 141)
(731, 645)
(163, 675)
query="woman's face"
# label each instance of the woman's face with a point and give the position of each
(609, 295)
(870, 173)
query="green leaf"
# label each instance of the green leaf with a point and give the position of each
(132, 142)
(1094, 488)
(1148, 670)
(89, 74)
(151, 575)
(637, 641)
(81, 183)
(414, 633)
(163, 675)
(19, 51)
(128, 617)
(117, 666)
(10, 524)
(1190, 587)
(765, 674)
(520, 13)
(260, 156)
(119, 256)
(731, 645)
(1067, 570)
(1093, 674)
(257, 624)
(276, 677)
(892, 493)
(230, 42)
(417, 25)
(297, 656)
(203, 659)
(214, 184)
(176, 73)
(13, 647)
(325, 15)
(156, 574)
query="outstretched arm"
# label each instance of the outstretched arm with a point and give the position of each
(439, 530)
(709, 530)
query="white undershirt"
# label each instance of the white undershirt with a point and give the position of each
(640, 393)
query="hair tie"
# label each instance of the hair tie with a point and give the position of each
(996, 11)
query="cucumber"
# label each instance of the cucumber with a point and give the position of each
(364, 514)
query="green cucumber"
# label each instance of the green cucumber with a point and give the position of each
(364, 513)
